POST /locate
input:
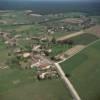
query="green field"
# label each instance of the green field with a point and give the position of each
(84, 39)
(84, 70)
(58, 49)
(18, 84)
(23, 29)
(3, 52)
(60, 34)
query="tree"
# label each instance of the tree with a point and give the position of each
(46, 53)
(70, 42)
(67, 75)
(54, 40)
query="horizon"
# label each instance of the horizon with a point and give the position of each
(52, 6)
(51, 0)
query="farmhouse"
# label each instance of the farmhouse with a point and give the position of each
(17, 50)
(47, 75)
(26, 55)
(36, 48)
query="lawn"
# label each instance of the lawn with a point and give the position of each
(16, 84)
(84, 39)
(84, 70)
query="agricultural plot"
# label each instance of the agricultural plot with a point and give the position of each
(58, 49)
(18, 84)
(60, 34)
(84, 39)
(84, 72)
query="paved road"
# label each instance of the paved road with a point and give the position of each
(70, 35)
(68, 83)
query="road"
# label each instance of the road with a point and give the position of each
(65, 79)
(70, 35)
(67, 82)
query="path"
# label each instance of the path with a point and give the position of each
(67, 82)
(70, 35)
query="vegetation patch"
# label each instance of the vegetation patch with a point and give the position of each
(58, 49)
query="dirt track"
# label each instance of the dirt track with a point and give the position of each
(69, 85)
(70, 36)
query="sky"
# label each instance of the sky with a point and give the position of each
(51, 0)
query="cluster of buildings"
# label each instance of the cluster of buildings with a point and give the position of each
(69, 24)
(44, 67)
(35, 58)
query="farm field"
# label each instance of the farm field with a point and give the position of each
(22, 85)
(58, 49)
(84, 39)
(84, 71)
(60, 34)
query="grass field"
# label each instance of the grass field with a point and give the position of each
(60, 34)
(58, 49)
(23, 29)
(3, 52)
(18, 84)
(84, 39)
(84, 70)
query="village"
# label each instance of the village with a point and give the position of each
(41, 52)
(37, 56)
